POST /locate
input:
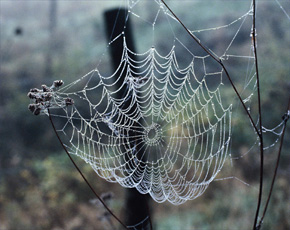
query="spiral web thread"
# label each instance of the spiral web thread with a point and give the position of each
(168, 134)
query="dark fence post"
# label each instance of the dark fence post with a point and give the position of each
(136, 204)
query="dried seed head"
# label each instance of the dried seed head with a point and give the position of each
(31, 107)
(68, 101)
(38, 100)
(57, 83)
(48, 96)
(34, 90)
(31, 95)
(42, 98)
(37, 111)
(45, 88)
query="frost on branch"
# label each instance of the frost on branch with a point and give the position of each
(46, 98)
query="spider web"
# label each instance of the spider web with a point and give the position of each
(161, 123)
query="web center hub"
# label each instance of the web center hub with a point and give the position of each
(153, 134)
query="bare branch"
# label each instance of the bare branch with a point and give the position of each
(260, 116)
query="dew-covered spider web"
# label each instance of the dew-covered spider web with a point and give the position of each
(162, 121)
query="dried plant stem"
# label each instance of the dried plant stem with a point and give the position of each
(82, 175)
(260, 117)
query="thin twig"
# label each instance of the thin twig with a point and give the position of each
(260, 117)
(218, 60)
(285, 118)
(80, 172)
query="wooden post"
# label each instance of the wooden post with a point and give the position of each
(136, 204)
